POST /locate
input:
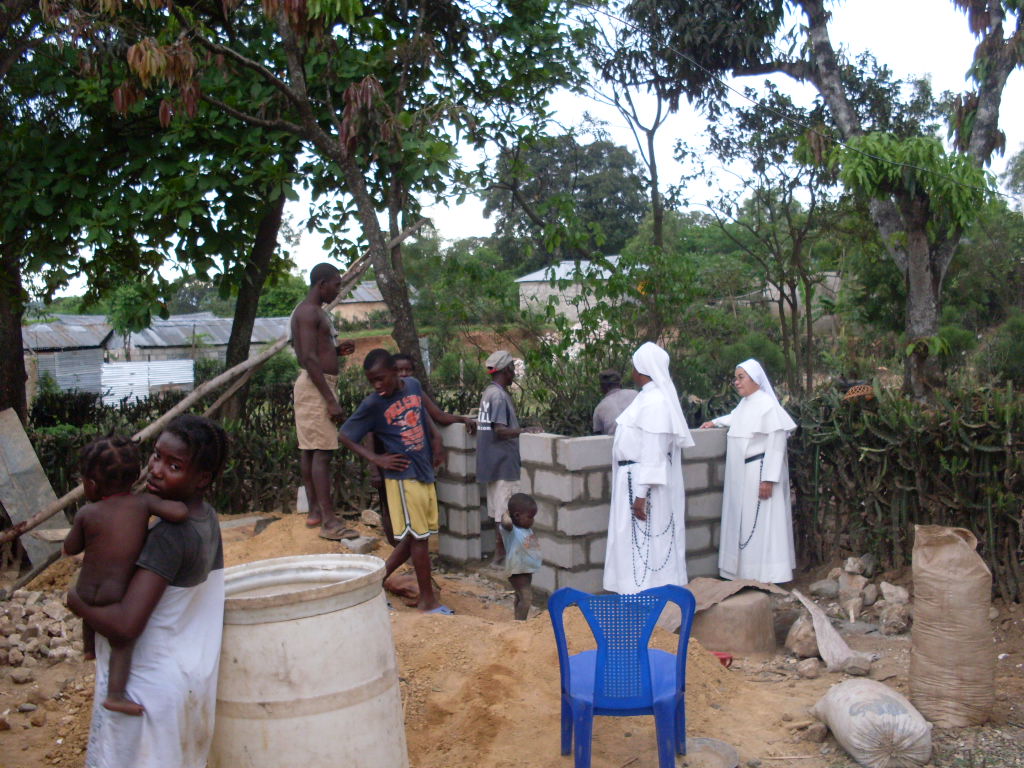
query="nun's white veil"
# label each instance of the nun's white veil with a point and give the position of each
(651, 360)
(759, 411)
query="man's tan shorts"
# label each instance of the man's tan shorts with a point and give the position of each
(313, 425)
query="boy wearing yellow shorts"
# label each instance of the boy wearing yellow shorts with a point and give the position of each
(396, 414)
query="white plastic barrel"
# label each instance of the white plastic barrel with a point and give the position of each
(308, 676)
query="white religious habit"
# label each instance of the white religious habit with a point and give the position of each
(647, 463)
(756, 539)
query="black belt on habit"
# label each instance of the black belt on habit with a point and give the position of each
(627, 463)
(753, 458)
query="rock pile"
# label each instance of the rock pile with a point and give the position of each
(857, 598)
(36, 628)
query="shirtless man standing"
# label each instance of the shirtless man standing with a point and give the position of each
(317, 412)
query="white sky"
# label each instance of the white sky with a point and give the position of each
(893, 30)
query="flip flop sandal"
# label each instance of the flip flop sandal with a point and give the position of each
(444, 610)
(331, 535)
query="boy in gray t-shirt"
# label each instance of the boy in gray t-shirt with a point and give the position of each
(497, 443)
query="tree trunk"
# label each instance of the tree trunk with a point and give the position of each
(391, 281)
(657, 204)
(12, 309)
(922, 373)
(787, 355)
(809, 320)
(247, 303)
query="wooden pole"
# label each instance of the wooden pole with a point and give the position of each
(352, 274)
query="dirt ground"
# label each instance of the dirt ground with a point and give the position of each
(482, 690)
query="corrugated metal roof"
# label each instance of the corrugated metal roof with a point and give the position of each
(566, 270)
(66, 332)
(366, 291)
(93, 331)
(204, 329)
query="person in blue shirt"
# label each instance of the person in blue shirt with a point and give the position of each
(396, 414)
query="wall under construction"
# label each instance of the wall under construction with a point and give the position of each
(570, 477)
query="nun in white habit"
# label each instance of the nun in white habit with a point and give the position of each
(646, 524)
(756, 541)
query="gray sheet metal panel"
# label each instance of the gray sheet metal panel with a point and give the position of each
(24, 489)
(139, 380)
(79, 369)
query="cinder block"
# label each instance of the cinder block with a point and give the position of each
(544, 579)
(698, 537)
(487, 538)
(563, 486)
(596, 551)
(718, 474)
(463, 522)
(704, 506)
(562, 551)
(525, 481)
(593, 452)
(460, 465)
(696, 476)
(716, 535)
(710, 444)
(537, 447)
(582, 521)
(597, 483)
(455, 437)
(546, 515)
(457, 494)
(702, 565)
(590, 580)
(460, 550)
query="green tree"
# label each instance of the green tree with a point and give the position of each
(66, 179)
(469, 268)
(131, 310)
(558, 199)
(780, 210)
(282, 295)
(377, 91)
(920, 197)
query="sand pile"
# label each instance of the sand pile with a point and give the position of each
(483, 692)
(478, 688)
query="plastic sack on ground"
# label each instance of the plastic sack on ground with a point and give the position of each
(877, 726)
(952, 663)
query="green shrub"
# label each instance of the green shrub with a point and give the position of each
(957, 341)
(1002, 358)
(262, 471)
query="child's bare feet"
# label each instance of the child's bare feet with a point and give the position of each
(123, 705)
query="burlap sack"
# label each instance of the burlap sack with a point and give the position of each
(952, 665)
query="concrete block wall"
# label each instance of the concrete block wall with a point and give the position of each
(570, 477)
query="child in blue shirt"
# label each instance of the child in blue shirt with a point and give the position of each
(522, 550)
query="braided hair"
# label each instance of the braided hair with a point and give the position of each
(206, 441)
(112, 462)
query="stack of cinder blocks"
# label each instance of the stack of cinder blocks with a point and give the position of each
(570, 477)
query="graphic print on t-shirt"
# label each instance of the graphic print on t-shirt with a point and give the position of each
(404, 416)
(483, 419)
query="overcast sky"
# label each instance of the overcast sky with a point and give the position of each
(913, 37)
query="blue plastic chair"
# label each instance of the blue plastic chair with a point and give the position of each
(623, 677)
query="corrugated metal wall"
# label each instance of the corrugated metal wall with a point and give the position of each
(73, 368)
(139, 380)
